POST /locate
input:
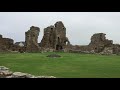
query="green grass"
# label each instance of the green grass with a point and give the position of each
(70, 65)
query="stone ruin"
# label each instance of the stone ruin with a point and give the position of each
(116, 49)
(31, 42)
(5, 43)
(17, 48)
(99, 42)
(31, 39)
(101, 45)
(54, 38)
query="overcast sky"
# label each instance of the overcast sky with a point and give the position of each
(80, 26)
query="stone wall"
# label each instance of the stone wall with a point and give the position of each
(48, 40)
(99, 42)
(5, 43)
(116, 49)
(54, 37)
(18, 48)
(31, 39)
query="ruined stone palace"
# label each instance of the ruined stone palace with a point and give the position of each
(55, 39)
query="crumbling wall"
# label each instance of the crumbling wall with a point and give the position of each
(61, 38)
(116, 49)
(79, 49)
(99, 42)
(54, 37)
(5, 43)
(18, 48)
(107, 51)
(48, 40)
(31, 39)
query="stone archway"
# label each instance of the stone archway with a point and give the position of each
(59, 47)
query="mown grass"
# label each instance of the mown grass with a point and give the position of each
(70, 65)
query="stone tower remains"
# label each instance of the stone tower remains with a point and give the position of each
(31, 39)
(54, 37)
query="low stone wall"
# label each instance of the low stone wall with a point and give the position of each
(6, 73)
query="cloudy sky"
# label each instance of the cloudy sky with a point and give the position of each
(80, 26)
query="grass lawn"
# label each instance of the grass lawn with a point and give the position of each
(70, 65)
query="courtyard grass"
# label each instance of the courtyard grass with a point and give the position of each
(69, 65)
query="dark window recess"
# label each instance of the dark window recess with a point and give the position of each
(59, 47)
(33, 35)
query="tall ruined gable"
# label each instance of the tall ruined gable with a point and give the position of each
(48, 39)
(31, 39)
(60, 36)
(54, 37)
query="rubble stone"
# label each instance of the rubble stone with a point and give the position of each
(6, 73)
